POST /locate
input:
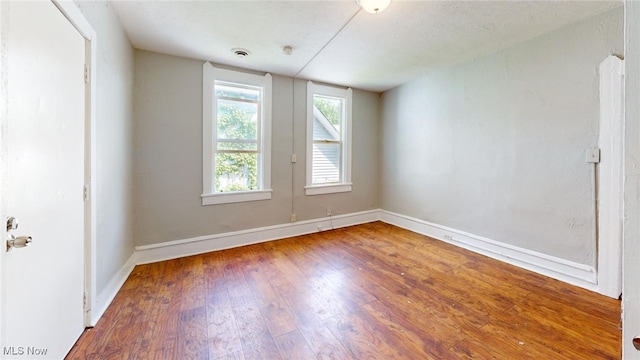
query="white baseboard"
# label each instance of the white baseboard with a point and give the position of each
(198, 245)
(104, 299)
(570, 272)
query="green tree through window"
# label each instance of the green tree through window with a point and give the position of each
(330, 108)
(236, 137)
(236, 159)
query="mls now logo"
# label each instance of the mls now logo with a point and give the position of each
(23, 350)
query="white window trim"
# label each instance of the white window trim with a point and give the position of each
(236, 196)
(327, 189)
(209, 75)
(345, 184)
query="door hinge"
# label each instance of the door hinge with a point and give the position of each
(87, 73)
(85, 192)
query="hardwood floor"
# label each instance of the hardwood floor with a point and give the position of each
(371, 291)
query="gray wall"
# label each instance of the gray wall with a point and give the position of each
(168, 156)
(114, 128)
(496, 146)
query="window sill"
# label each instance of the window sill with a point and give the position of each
(235, 197)
(327, 189)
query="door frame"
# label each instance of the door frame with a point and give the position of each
(84, 28)
(3, 153)
(610, 181)
(82, 25)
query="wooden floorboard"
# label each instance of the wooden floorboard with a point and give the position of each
(371, 291)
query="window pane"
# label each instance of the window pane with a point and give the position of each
(331, 108)
(326, 163)
(236, 172)
(237, 120)
(249, 145)
(322, 130)
(236, 92)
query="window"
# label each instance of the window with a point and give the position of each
(328, 139)
(236, 136)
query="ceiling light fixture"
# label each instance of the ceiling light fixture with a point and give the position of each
(373, 6)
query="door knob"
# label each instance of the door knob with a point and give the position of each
(636, 342)
(18, 242)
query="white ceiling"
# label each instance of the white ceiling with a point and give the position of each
(337, 42)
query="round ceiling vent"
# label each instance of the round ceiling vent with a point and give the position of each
(240, 52)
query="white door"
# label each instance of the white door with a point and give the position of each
(42, 166)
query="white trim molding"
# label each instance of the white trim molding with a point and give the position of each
(610, 184)
(346, 96)
(104, 299)
(198, 245)
(328, 189)
(211, 75)
(86, 30)
(581, 275)
(570, 272)
(631, 224)
(236, 196)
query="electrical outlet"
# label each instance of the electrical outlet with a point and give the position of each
(328, 212)
(293, 218)
(448, 237)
